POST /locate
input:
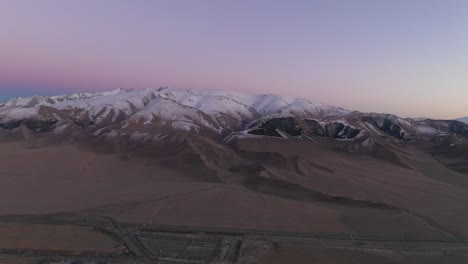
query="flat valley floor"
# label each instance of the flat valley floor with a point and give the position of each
(292, 202)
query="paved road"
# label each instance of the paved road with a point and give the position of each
(127, 233)
(107, 222)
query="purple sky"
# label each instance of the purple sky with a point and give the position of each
(404, 57)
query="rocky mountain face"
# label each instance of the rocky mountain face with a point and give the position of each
(220, 115)
(131, 119)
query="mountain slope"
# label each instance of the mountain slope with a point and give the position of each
(215, 158)
(150, 116)
(216, 111)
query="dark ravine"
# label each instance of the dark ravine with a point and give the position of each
(11, 124)
(334, 130)
(297, 192)
(388, 126)
(40, 125)
(288, 125)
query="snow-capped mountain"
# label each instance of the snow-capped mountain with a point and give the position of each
(463, 119)
(220, 114)
(210, 109)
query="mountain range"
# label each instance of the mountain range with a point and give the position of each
(222, 115)
(463, 119)
(259, 159)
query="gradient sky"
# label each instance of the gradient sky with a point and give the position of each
(397, 56)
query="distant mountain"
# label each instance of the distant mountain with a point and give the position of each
(219, 114)
(463, 119)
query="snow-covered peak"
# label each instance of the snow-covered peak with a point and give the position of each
(463, 119)
(208, 101)
(211, 111)
(50, 100)
(216, 101)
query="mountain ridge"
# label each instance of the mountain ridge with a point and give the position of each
(463, 119)
(215, 111)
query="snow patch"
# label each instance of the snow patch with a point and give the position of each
(426, 130)
(184, 126)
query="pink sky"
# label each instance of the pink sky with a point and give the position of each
(409, 59)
